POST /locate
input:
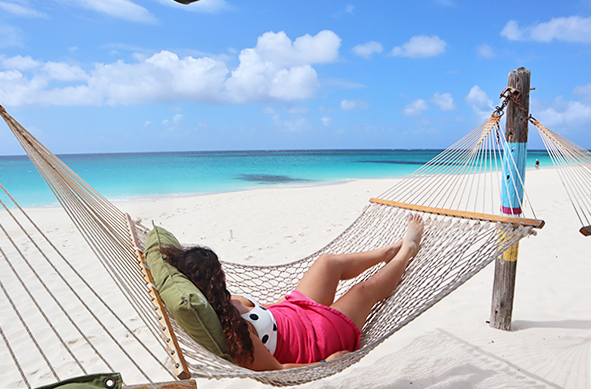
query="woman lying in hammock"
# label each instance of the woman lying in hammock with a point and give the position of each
(307, 326)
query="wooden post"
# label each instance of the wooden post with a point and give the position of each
(516, 137)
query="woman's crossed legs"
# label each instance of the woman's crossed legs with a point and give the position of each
(321, 280)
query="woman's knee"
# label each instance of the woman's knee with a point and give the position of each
(327, 264)
(328, 260)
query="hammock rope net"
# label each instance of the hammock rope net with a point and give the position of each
(455, 246)
(574, 168)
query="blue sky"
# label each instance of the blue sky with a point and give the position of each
(154, 75)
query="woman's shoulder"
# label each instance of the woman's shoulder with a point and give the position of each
(243, 303)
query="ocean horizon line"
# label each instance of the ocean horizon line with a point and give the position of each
(306, 150)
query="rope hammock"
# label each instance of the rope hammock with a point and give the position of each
(574, 168)
(455, 246)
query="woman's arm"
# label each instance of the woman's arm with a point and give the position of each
(263, 360)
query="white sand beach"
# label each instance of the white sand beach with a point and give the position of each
(449, 346)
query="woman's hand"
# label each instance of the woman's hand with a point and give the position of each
(337, 355)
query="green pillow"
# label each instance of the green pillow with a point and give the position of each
(184, 300)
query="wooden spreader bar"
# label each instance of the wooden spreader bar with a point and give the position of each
(184, 384)
(535, 223)
(169, 336)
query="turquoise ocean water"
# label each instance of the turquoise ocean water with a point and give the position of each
(146, 175)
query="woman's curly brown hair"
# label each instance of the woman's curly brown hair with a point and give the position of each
(202, 267)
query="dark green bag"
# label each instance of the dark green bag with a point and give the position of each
(94, 381)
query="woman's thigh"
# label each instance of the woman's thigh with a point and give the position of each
(357, 303)
(322, 279)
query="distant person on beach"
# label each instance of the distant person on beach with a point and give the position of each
(537, 163)
(307, 326)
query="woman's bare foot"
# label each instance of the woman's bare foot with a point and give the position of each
(414, 233)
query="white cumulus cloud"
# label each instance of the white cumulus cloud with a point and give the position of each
(276, 69)
(163, 77)
(279, 69)
(176, 119)
(18, 62)
(480, 103)
(259, 80)
(349, 105)
(60, 71)
(485, 51)
(421, 47)
(280, 50)
(567, 29)
(368, 49)
(415, 108)
(562, 114)
(512, 32)
(444, 101)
